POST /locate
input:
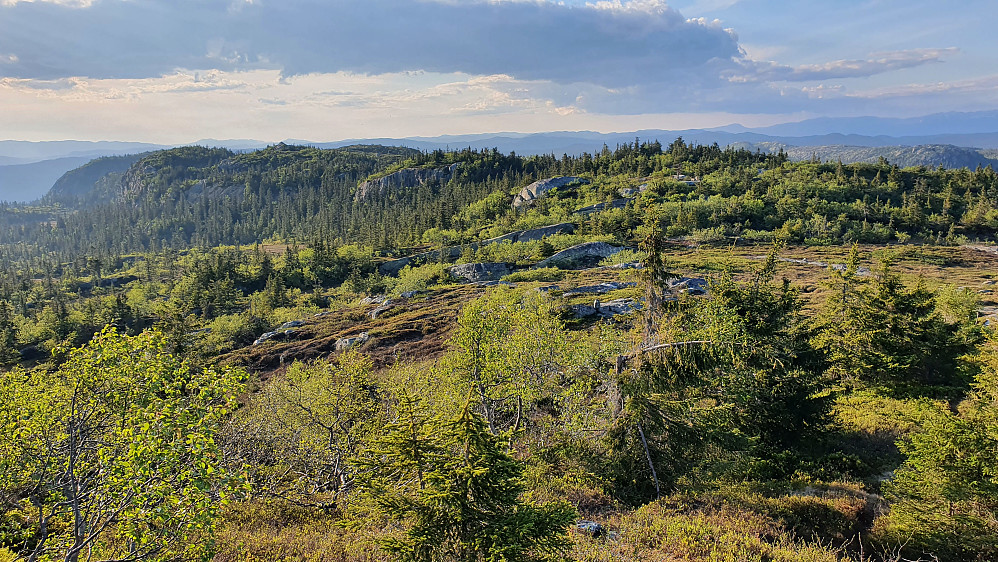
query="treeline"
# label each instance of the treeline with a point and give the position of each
(201, 197)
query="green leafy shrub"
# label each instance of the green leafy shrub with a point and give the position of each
(539, 274)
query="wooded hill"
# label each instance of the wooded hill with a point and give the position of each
(203, 197)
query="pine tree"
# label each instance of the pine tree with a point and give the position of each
(458, 492)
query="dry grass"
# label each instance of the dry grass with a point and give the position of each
(730, 527)
(262, 532)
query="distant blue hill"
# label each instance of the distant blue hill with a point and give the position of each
(27, 182)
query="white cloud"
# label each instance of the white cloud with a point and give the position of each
(609, 43)
(984, 85)
(878, 63)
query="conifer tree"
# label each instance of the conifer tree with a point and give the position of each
(457, 492)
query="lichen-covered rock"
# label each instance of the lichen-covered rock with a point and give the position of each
(600, 289)
(478, 272)
(275, 336)
(690, 285)
(533, 234)
(537, 189)
(292, 324)
(404, 179)
(381, 310)
(344, 344)
(607, 309)
(618, 306)
(581, 254)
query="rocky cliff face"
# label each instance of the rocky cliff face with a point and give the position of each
(537, 189)
(404, 179)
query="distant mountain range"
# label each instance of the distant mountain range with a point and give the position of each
(29, 169)
(27, 182)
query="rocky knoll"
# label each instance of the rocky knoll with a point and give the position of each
(581, 254)
(478, 272)
(533, 235)
(537, 189)
(404, 179)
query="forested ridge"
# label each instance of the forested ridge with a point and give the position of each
(219, 355)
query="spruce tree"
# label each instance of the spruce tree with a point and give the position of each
(457, 491)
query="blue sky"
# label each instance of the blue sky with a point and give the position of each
(175, 71)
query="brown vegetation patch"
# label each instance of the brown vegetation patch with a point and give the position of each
(417, 329)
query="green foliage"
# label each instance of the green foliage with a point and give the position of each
(299, 434)
(114, 455)
(509, 347)
(538, 274)
(624, 256)
(457, 493)
(420, 277)
(8, 334)
(732, 372)
(882, 330)
(945, 495)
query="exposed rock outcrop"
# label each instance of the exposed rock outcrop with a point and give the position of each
(607, 309)
(478, 272)
(344, 344)
(275, 336)
(581, 254)
(690, 285)
(533, 234)
(404, 179)
(381, 310)
(600, 289)
(537, 189)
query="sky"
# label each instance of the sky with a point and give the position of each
(175, 71)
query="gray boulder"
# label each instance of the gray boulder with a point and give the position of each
(478, 272)
(630, 265)
(607, 309)
(691, 285)
(618, 306)
(581, 253)
(381, 310)
(344, 344)
(292, 324)
(537, 189)
(392, 268)
(600, 289)
(275, 336)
